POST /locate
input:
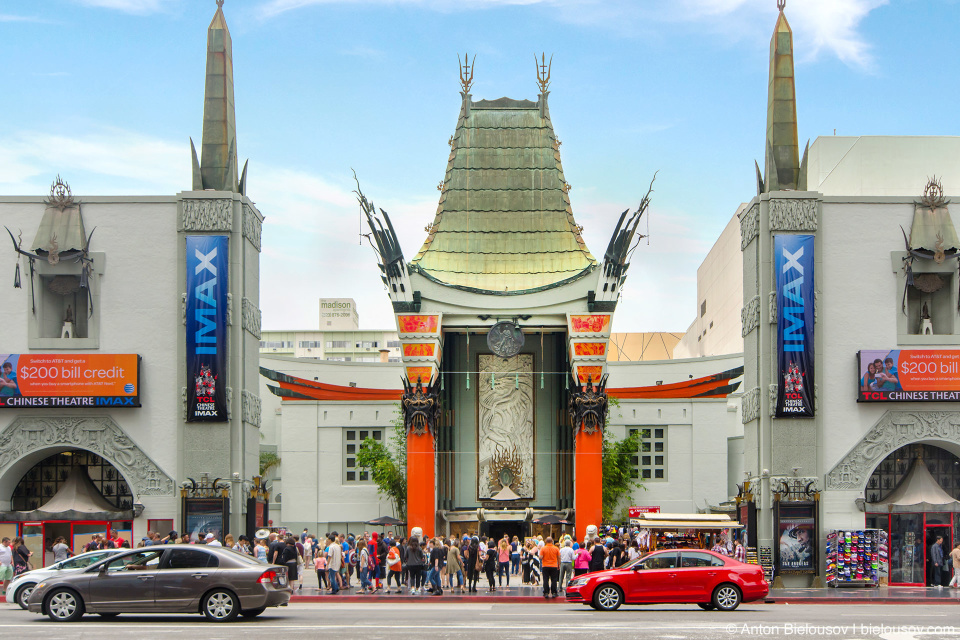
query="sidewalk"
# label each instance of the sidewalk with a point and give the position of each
(517, 593)
(879, 595)
(514, 593)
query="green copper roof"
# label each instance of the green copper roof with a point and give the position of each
(782, 157)
(504, 222)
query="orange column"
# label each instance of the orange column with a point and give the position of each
(421, 483)
(588, 481)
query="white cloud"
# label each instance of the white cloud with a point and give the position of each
(137, 7)
(820, 26)
(8, 17)
(143, 163)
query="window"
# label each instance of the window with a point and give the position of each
(367, 345)
(191, 559)
(661, 561)
(650, 463)
(352, 442)
(310, 344)
(337, 344)
(703, 308)
(276, 344)
(140, 561)
(690, 559)
(393, 344)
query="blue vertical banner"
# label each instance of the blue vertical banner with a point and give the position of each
(793, 262)
(207, 268)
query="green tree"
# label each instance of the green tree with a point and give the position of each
(268, 459)
(387, 465)
(618, 480)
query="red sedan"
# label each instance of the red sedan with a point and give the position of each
(704, 578)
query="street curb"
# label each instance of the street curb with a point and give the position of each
(854, 601)
(458, 599)
(451, 599)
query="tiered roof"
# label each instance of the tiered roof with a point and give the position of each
(504, 222)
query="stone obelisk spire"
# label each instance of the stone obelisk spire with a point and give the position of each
(217, 168)
(782, 166)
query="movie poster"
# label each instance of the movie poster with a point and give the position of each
(207, 267)
(796, 544)
(793, 264)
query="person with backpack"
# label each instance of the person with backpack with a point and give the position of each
(352, 564)
(394, 566)
(362, 565)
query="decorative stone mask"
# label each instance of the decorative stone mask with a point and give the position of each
(587, 405)
(421, 407)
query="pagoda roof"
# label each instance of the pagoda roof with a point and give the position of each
(504, 223)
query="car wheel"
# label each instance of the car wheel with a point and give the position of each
(109, 616)
(23, 594)
(726, 597)
(706, 606)
(221, 606)
(64, 605)
(252, 613)
(608, 597)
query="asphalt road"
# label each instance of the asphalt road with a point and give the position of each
(481, 621)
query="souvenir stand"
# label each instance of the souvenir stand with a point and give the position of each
(856, 558)
(682, 530)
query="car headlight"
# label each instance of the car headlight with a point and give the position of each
(577, 582)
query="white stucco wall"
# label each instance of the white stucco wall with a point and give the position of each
(720, 286)
(139, 311)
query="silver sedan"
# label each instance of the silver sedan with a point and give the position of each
(219, 583)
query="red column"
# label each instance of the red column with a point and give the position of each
(588, 481)
(421, 483)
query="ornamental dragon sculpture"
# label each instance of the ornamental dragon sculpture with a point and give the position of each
(587, 405)
(421, 407)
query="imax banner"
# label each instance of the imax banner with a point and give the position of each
(793, 262)
(206, 328)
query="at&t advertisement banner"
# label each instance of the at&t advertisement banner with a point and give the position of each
(69, 380)
(206, 328)
(909, 375)
(793, 262)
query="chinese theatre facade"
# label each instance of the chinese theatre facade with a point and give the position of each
(504, 317)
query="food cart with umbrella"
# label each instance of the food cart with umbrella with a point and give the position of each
(386, 521)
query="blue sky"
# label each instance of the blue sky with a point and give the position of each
(106, 93)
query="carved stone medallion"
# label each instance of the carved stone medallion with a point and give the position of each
(505, 339)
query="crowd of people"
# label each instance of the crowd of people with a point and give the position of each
(416, 565)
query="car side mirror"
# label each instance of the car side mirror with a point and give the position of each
(103, 569)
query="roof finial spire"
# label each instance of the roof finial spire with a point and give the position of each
(543, 71)
(220, 4)
(466, 71)
(781, 4)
